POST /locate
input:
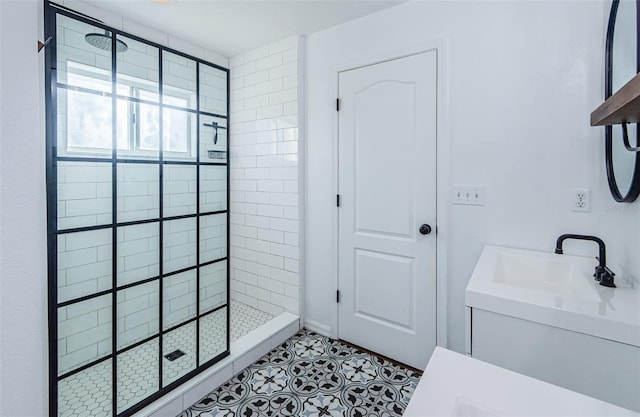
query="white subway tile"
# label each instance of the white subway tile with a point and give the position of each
(290, 55)
(291, 265)
(256, 78)
(237, 218)
(286, 173)
(290, 108)
(258, 197)
(258, 245)
(256, 54)
(291, 239)
(269, 136)
(287, 147)
(244, 208)
(276, 236)
(256, 173)
(246, 162)
(270, 86)
(270, 308)
(257, 101)
(290, 81)
(292, 291)
(244, 115)
(236, 106)
(270, 161)
(290, 304)
(242, 93)
(283, 70)
(237, 196)
(271, 285)
(269, 61)
(243, 185)
(238, 286)
(242, 70)
(246, 277)
(245, 299)
(246, 254)
(258, 269)
(258, 221)
(271, 260)
(270, 185)
(259, 293)
(290, 186)
(269, 111)
(270, 210)
(287, 251)
(283, 96)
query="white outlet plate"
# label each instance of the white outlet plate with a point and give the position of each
(470, 195)
(581, 199)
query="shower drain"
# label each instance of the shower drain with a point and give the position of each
(174, 355)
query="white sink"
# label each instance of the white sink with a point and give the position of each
(557, 290)
(560, 277)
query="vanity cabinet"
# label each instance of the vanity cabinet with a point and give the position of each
(598, 367)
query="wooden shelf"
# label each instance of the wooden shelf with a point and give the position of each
(623, 106)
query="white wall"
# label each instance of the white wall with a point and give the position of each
(265, 176)
(23, 302)
(522, 78)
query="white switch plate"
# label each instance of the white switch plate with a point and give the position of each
(581, 199)
(471, 195)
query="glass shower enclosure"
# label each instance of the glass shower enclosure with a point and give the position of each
(138, 221)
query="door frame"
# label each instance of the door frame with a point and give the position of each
(443, 195)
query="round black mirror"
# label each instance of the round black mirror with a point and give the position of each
(622, 64)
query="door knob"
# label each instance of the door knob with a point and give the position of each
(425, 229)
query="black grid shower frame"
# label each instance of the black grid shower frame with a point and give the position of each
(51, 10)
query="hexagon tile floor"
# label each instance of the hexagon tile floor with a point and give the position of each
(312, 376)
(88, 393)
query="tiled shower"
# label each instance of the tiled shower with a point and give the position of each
(139, 231)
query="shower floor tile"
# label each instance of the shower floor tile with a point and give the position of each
(88, 393)
(245, 319)
(310, 375)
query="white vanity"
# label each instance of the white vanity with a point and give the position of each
(543, 315)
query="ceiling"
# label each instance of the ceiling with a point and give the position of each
(230, 27)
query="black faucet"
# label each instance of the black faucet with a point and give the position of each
(602, 274)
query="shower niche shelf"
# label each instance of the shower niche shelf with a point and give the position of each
(621, 107)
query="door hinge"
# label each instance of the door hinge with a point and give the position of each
(337, 296)
(337, 104)
(337, 200)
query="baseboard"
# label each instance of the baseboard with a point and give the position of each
(319, 328)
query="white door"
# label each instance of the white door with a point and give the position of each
(387, 187)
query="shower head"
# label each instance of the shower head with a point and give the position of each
(103, 41)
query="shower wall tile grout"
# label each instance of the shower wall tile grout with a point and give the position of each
(265, 224)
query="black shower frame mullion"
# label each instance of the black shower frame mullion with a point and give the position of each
(161, 214)
(114, 230)
(198, 213)
(51, 11)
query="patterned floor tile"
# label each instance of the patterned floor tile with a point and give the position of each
(312, 376)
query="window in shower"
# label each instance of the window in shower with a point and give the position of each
(138, 226)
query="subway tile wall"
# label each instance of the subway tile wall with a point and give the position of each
(265, 221)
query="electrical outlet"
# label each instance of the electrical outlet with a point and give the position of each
(580, 199)
(472, 195)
